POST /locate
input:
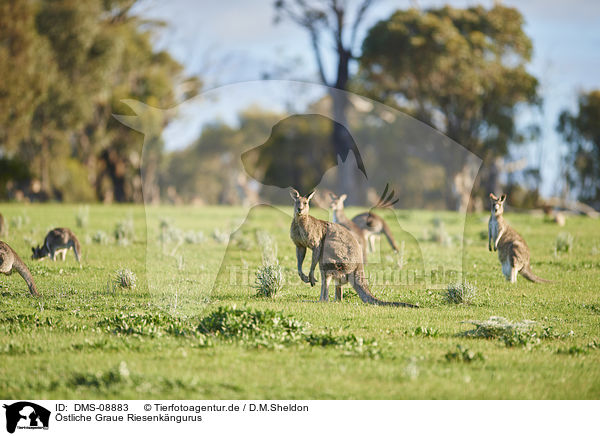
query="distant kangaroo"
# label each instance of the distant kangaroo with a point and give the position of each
(3, 228)
(335, 249)
(513, 251)
(58, 240)
(339, 217)
(373, 225)
(10, 260)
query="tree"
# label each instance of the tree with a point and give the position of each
(462, 71)
(25, 68)
(66, 67)
(333, 21)
(582, 132)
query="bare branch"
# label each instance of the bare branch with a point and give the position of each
(366, 4)
(314, 36)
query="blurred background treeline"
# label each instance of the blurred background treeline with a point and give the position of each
(66, 66)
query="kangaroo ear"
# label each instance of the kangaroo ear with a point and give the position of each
(493, 197)
(343, 197)
(294, 194)
(310, 195)
(502, 198)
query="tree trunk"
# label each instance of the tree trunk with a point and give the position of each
(342, 142)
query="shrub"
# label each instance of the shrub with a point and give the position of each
(511, 333)
(192, 237)
(268, 247)
(221, 236)
(169, 234)
(100, 237)
(269, 280)
(463, 355)
(82, 216)
(241, 241)
(102, 380)
(426, 331)
(564, 242)
(270, 329)
(261, 328)
(461, 293)
(125, 279)
(439, 234)
(19, 221)
(124, 231)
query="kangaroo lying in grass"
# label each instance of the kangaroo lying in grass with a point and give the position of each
(513, 251)
(10, 260)
(339, 217)
(58, 240)
(335, 250)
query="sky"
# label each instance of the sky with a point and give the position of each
(235, 41)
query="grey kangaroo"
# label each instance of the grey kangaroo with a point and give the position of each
(58, 240)
(10, 261)
(513, 251)
(373, 225)
(334, 249)
(339, 217)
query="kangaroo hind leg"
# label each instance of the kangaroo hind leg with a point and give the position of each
(76, 251)
(325, 282)
(339, 292)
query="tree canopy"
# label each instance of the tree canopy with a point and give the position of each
(462, 71)
(66, 65)
(581, 131)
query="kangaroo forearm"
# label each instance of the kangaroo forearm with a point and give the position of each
(300, 254)
(498, 239)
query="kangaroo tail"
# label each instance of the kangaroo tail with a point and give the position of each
(77, 248)
(21, 268)
(388, 234)
(529, 275)
(359, 283)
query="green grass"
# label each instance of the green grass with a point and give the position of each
(86, 338)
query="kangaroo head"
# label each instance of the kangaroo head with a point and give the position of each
(38, 252)
(497, 204)
(337, 203)
(301, 204)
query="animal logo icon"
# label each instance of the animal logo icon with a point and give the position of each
(26, 415)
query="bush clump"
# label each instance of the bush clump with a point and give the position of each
(82, 216)
(124, 232)
(252, 326)
(269, 280)
(511, 333)
(463, 355)
(564, 242)
(125, 279)
(461, 293)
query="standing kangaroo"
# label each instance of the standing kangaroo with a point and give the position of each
(373, 225)
(339, 217)
(10, 260)
(513, 251)
(58, 240)
(335, 249)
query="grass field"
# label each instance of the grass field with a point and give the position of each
(88, 338)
